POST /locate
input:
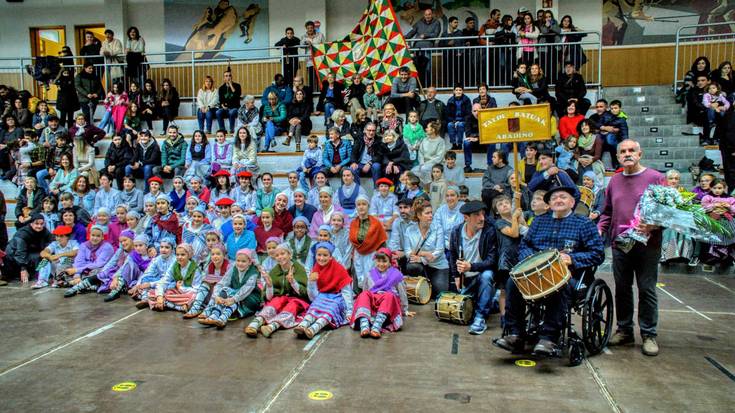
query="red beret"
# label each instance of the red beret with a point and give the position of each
(245, 174)
(62, 230)
(384, 181)
(225, 202)
(155, 179)
(222, 172)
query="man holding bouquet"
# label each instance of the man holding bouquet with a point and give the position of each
(636, 248)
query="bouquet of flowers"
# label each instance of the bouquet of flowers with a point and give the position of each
(667, 207)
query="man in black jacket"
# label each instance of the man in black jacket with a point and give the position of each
(472, 256)
(432, 109)
(117, 158)
(571, 86)
(696, 111)
(146, 156)
(361, 158)
(229, 101)
(24, 250)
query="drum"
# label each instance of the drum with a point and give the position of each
(456, 308)
(540, 274)
(418, 289)
(586, 200)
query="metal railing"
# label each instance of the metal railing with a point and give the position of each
(470, 65)
(705, 39)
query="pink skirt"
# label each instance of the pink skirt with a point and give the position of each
(369, 304)
(285, 311)
(173, 296)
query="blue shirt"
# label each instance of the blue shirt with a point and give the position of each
(575, 235)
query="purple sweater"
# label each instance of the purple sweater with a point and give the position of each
(622, 196)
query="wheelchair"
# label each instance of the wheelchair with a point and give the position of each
(592, 300)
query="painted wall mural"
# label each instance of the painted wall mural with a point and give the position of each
(211, 26)
(629, 22)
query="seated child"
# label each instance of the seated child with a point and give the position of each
(285, 293)
(214, 271)
(237, 293)
(137, 261)
(383, 298)
(178, 285)
(330, 291)
(56, 258)
(154, 272)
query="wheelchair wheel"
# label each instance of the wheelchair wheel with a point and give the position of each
(597, 317)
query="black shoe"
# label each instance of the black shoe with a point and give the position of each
(114, 295)
(468, 169)
(545, 348)
(512, 343)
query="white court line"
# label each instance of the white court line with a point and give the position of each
(76, 340)
(671, 295)
(44, 291)
(703, 312)
(298, 369)
(698, 313)
(603, 387)
(718, 284)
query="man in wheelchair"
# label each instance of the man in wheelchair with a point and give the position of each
(580, 247)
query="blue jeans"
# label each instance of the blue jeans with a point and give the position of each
(482, 290)
(456, 132)
(329, 109)
(41, 178)
(208, 116)
(106, 123)
(271, 131)
(147, 173)
(223, 114)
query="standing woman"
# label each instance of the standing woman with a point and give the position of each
(178, 286)
(285, 294)
(134, 55)
(168, 101)
(367, 235)
(67, 101)
(528, 34)
(571, 52)
(423, 244)
(330, 291)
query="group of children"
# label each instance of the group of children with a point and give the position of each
(712, 194)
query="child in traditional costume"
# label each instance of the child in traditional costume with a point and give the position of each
(383, 298)
(237, 293)
(165, 223)
(91, 257)
(57, 257)
(107, 274)
(366, 235)
(214, 271)
(330, 291)
(126, 277)
(299, 242)
(177, 287)
(154, 272)
(285, 293)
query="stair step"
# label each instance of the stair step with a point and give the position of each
(614, 92)
(657, 120)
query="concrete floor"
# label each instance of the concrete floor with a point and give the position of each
(64, 355)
